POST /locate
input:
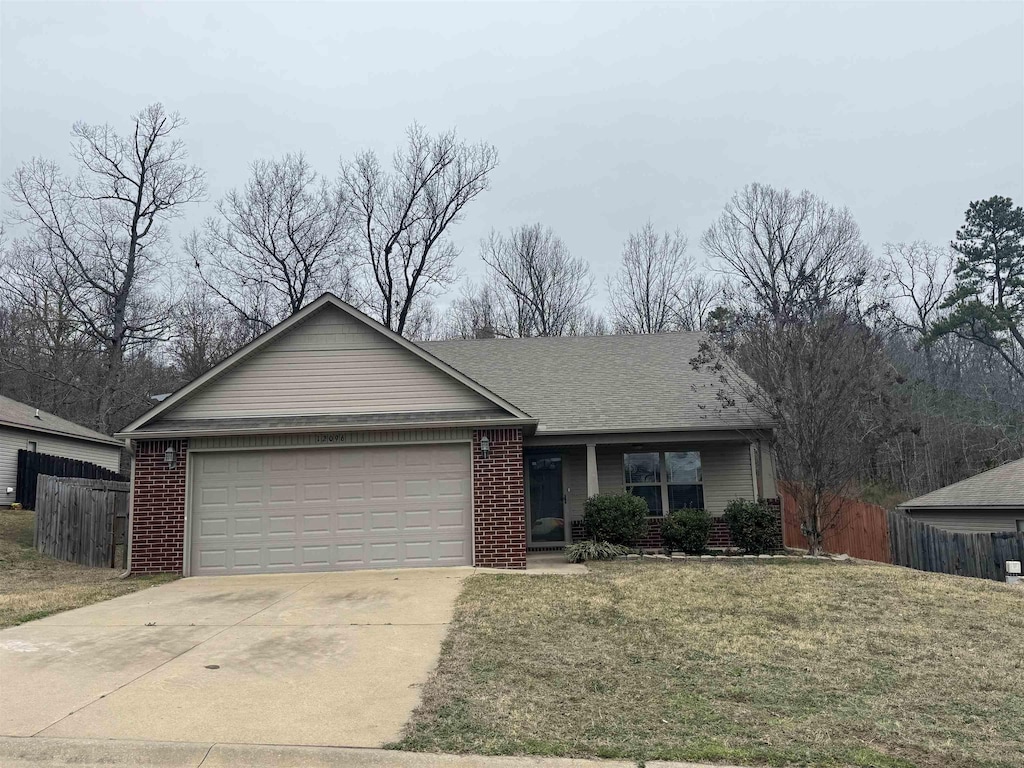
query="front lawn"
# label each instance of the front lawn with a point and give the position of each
(33, 586)
(804, 663)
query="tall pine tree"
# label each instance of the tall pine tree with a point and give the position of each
(987, 300)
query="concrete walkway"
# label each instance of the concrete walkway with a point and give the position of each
(314, 659)
(60, 753)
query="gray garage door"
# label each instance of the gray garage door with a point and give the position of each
(325, 509)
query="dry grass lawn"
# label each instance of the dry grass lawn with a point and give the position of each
(33, 586)
(782, 663)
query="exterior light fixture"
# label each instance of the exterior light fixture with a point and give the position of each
(485, 447)
(170, 457)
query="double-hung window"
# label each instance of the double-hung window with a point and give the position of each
(666, 480)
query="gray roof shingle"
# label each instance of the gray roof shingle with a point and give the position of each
(999, 487)
(22, 416)
(601, 383)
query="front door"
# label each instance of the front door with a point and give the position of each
(546, 524)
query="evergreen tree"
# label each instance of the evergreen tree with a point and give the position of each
(987, 300)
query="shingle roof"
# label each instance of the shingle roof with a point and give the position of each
(999, 487)
(22, 416)
(601, 383)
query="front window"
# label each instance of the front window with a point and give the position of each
(666, 480)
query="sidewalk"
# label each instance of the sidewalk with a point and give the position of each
(37, 752)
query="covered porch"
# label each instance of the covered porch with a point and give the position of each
(670, 470)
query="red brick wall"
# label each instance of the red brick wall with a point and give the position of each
(158, 509)
(499, 501)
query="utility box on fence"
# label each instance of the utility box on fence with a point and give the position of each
(1012, 571)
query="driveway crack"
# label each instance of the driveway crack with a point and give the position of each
(206, 755)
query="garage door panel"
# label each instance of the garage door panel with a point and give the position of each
(331, 508)
(251, 463)
(248, 494)
(452, 552)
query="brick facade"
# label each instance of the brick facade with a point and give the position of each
(158, 508)
(719, 538)
(499, 500)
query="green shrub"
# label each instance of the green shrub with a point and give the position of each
(752, 526)
(686, 530)
(619, 518)
(588, 549)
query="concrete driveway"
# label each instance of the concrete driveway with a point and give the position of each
(326, 659)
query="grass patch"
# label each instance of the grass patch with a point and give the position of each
(783, 663)
(33, 586)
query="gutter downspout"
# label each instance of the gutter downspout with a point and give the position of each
(129, 446)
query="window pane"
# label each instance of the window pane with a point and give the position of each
(642, 468)
(683, 466)
(649, 493)
(680, 496)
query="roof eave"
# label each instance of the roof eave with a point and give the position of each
(961, 506)
(174, 434)
(666, 428)
(60, 433)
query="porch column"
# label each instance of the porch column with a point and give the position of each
(592, 489)
(768, 487)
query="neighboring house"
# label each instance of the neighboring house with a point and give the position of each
(990, 502)
(23, 427)
(331, 442)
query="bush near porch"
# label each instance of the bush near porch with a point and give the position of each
(748, 662)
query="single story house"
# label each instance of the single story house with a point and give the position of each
(989, 502)
(331, 442)
(23, 427)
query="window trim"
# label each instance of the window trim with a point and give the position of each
(663, 482)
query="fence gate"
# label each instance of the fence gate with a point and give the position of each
(77, 518)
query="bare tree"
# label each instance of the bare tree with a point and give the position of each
(645, 294)
(829, 388)
(917, 277)
(203, 333)
(540, 288)
(698, 298)
(103, 234)
(277, 243)
(472, 315)
(401, 217)
(793, 254)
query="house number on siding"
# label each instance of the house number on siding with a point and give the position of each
(330, 437)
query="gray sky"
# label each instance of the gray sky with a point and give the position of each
(605, 115)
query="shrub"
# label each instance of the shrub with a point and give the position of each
(686, 530)
(752, 526)
(618, 518)
(589, 549)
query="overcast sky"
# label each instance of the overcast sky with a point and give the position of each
(605, 115)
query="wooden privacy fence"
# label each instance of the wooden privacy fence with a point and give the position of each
(862, 530)
(927, 548)
(81, 520)
(871, 532)
(32, 464)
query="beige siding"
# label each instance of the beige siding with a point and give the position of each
(971, 521)
(13, 440)
(726, 469)
(330, 364)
